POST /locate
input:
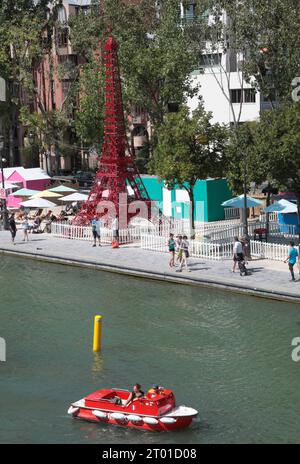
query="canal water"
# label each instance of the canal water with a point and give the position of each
(228, 356)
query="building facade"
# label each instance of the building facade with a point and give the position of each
(220, 80)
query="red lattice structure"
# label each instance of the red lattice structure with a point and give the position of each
(117, 170)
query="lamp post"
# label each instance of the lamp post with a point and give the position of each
(4, 208)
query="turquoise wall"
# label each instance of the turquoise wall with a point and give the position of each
(218, 191)
(154, 187)
(209, 194)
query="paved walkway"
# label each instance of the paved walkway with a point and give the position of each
(268, 278)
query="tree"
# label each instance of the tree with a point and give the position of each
(241, 159)
(278, 148)
(90, 115)
(156, 53)
(261, 38)
(189, 148)
(20, 25)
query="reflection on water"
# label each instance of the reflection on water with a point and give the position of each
(226, 355)
(98, 365)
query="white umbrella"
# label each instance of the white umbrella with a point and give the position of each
(282, 206)
(75, 197)
(238, 202)
(38, 203)
(24, 192)
(46, 194)
(62, 189)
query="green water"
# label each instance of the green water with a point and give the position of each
(226, 355)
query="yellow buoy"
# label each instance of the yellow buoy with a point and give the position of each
(97, 333)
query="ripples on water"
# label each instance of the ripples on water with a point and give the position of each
(226, 355)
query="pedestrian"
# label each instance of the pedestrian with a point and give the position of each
(238, 254)
(115, 228)
(171, 246)
(244, 243)
(185, 254)
(12, 227)
(292, 259)
(26, 227)
(178, 248)
(96, 226)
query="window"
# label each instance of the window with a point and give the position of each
(243, 96)
(62, 36)
(211, 59)
(189, 12)
(53, 101)
(249, 96)
(68, 59)
(61, 14)
(236, 95)
(271, 97)
(82, 9)
(66, 86)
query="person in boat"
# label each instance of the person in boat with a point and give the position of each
(136, 394)
(155, 390)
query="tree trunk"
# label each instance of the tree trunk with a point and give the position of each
(268, 214)
(298, 207)
(192, 212)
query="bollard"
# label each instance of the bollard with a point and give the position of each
(97, 334)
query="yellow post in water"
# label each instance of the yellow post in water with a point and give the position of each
(97, 333)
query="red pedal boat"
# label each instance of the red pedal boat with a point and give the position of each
(155, 411)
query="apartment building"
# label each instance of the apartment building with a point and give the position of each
(220, 81)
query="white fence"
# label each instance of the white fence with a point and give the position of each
(72, 232)
(275, 231)
(149, 239)
(175, 226)
(273, 217)
(272, 251)
(197, 249)
(232, 213)
(218, 251)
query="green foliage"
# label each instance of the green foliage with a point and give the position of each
(241, 158)
(90, 115)
(189, 148)
(48, 127)
(267, 33)
(156, 56)
(278, 146)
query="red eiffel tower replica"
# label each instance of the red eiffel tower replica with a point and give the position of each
(117, 171)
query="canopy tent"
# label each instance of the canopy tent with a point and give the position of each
(46, 194)
(282, 207)
(238, 202)
(75, 197)
(38, 203)
(62, 189)
(24, 192)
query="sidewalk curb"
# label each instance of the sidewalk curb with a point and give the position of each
(157, 276)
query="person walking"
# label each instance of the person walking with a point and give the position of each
(96, 226)
(178, 248)
(238, 254)
(12, 227)
(292, 259)
(26, 227)
(185, 254)
(115, 228)
(171, 246)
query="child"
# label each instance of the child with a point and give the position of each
(171, 246)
